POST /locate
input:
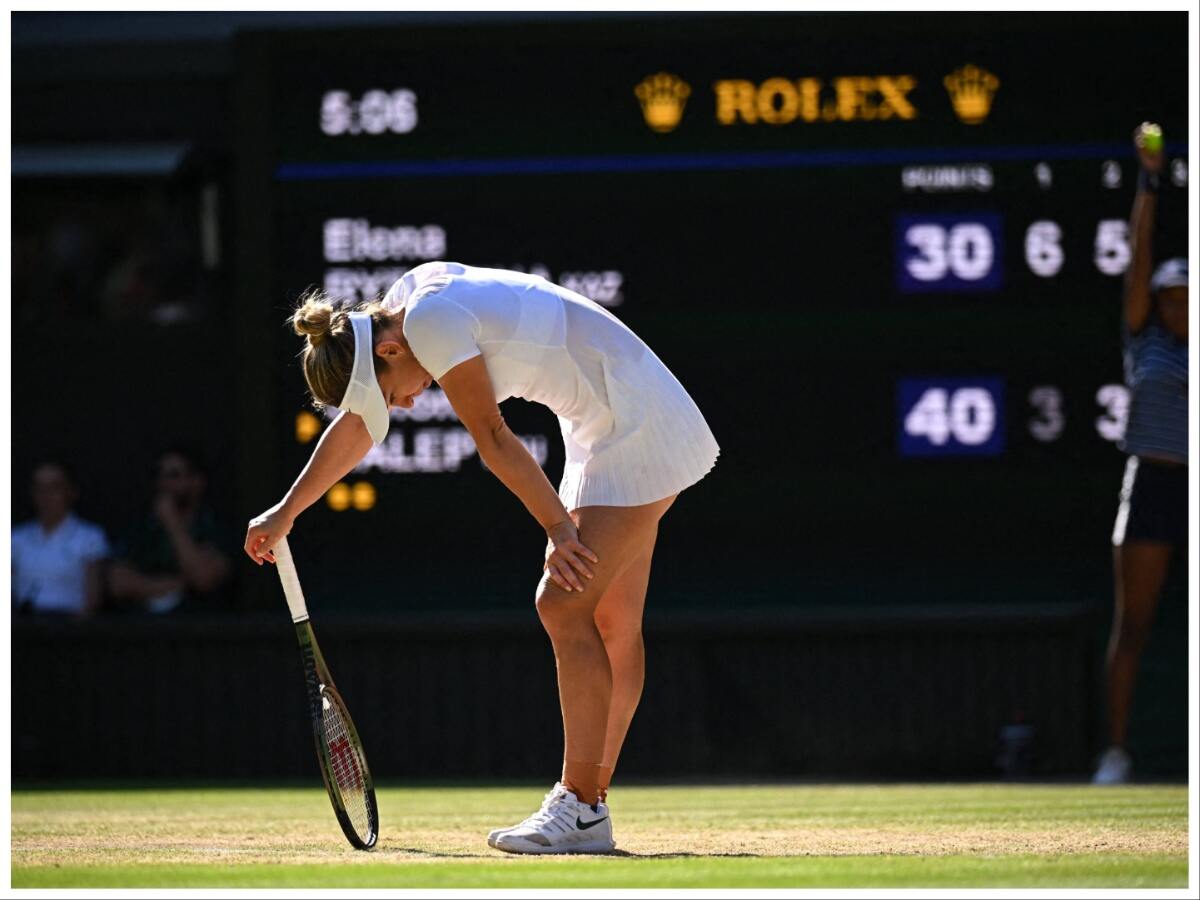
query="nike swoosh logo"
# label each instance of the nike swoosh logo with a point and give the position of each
(582, 826)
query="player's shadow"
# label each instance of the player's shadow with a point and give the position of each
(499, 854)
(436, 854)
(682, 854)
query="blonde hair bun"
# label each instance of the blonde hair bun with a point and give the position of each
(313, 319)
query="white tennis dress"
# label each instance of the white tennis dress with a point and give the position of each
(631, 432)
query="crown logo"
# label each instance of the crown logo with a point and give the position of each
(663, 97)
(971, 89)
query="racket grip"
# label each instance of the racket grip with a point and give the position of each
(290, 581)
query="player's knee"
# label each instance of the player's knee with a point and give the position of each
(555, 609)
(618, 630)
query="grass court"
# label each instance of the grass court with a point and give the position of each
(743, 836)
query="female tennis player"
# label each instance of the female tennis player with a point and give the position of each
(634, 439)
(1152, 516)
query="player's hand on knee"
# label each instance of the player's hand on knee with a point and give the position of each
(565, 557)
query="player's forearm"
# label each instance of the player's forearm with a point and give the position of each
(1137, 277)
(507, 457)
(340, 449)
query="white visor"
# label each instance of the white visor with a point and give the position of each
(1172, 273)
(363, 395)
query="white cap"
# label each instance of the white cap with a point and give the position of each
(1172, 273)
(363, 395)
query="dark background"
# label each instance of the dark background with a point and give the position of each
(761, 262)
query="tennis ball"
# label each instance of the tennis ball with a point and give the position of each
(1152, 138)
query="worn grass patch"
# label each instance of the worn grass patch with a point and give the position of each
(726, 836)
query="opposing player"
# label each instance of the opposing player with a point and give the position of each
(1152, 517)
(633, 437)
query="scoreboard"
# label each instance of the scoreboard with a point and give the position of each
(882, 252)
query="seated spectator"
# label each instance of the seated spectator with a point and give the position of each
(179, 556)
(57, 558)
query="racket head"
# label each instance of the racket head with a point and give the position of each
(344, 768)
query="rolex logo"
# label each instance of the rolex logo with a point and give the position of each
(663, 97)
(971, 89)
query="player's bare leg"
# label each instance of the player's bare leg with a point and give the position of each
(1139, 570)
(619, 619)
(573, 818)
(618, 535)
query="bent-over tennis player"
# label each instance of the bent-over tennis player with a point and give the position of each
(634, 439)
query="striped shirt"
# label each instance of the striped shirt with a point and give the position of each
(1156, 372)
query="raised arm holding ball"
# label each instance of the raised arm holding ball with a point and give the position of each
(1151, 522)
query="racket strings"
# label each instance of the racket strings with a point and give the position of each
(347, 767)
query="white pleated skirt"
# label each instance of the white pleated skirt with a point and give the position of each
(659, 444)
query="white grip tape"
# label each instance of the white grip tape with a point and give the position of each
(290, 580)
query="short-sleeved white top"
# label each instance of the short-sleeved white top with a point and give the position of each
(49, 569)
(549, 345)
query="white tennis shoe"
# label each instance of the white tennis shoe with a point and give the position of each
(563, 824)
(496, 832)
(1114, 767)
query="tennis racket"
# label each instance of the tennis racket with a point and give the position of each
(339, 751)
